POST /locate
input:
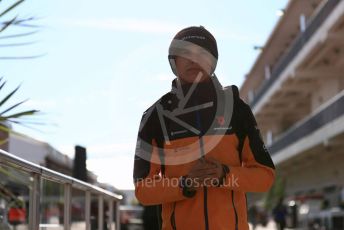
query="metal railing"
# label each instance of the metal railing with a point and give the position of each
(295, 48)
(38, 173)
(310, 124)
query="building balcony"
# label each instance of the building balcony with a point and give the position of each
(294, 50)
(324, 127)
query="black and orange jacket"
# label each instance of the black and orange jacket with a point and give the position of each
(169, 143)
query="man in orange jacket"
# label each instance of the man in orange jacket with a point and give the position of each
(199, 149)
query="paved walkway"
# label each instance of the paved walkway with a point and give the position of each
(270, 226)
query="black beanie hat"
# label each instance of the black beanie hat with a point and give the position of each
(197, 35)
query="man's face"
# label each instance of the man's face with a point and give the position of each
(193, 62)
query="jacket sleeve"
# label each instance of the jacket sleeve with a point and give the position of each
(257, 172)
(151, 187)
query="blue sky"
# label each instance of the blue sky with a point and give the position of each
(105, 62)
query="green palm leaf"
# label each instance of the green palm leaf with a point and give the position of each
(12, 107)
(9, 96)
(11, 7)
(20, 114)
(7, 24)
(2, 85)
(7, 115)
(19, 35)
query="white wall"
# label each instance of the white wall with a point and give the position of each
(28, 148)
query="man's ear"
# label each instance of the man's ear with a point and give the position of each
(173, 65)
(213, 67)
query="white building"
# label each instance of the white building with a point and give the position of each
(296, 91)
(43, 154)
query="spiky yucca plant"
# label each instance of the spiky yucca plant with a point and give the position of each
(7, 116)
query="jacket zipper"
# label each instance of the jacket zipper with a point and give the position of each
(205, 191)
(235, 212)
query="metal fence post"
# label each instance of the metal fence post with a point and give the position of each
(100, 212)
(110, 219)
(67, 206)
(38, 173)
(88, 210)
(35, 194)
(118, 224)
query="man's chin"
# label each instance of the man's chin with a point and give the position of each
(193, 79)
